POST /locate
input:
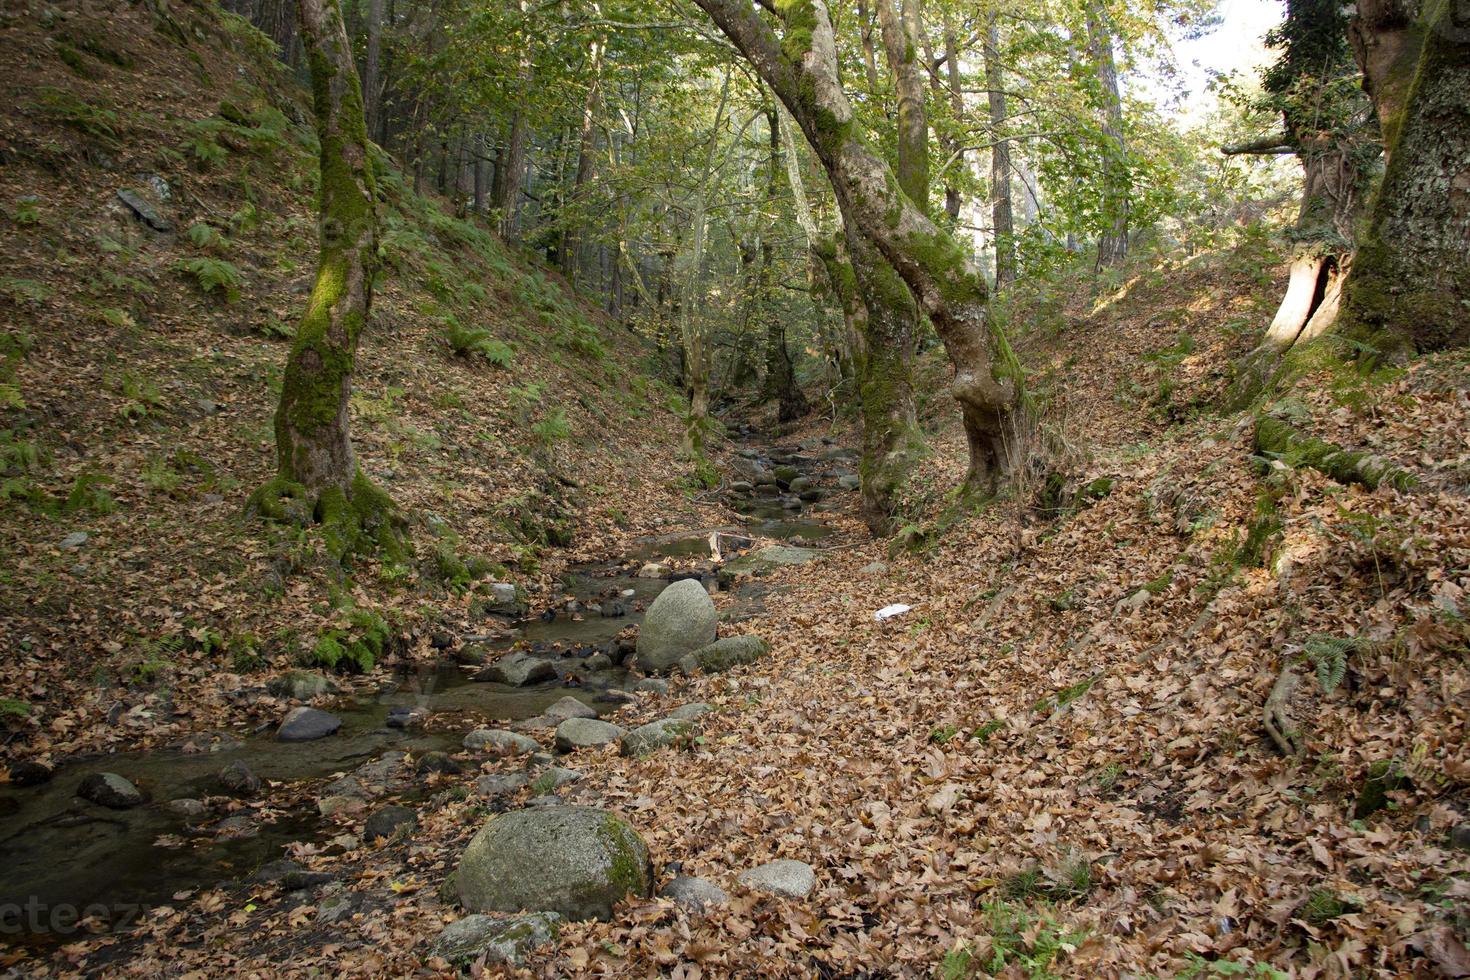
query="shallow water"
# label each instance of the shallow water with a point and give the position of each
(62, 857)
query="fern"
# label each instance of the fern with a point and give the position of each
(477, 342)
(212, 274)
(206, 236)
(1328, 656)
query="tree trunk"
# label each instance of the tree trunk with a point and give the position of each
(891, 439)
(315, 462)
(586, 151)
(801, 68)
(955, 93)
(1112, 245)
(1386, 37)
(372, 82)
(780, 372)
(901, 44)
(477, 161)
(1409, 290)
(1004, 228)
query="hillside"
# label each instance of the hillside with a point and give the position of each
(1189, 698)
(510, 421)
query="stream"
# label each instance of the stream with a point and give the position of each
(63, 858)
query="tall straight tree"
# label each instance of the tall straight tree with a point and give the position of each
(317, 470)
(1112, 245)
(1004, 228)
(800, 66)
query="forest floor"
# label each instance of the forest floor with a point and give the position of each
(1055, 764)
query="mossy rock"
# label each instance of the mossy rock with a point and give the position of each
(730, 652)
(1384, 777)
(576, 861)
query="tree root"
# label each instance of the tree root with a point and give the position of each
(364, 521)
(1281, 439)
(1277, 713)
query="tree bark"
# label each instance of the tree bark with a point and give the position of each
(1112, 245)
(1409, 289)
(955, 92)
(1000, 163)
(316, 466)
(901, 44)
(801, 68)
(372, 82)
(1386, 37)
(780, 371)
(586, 152)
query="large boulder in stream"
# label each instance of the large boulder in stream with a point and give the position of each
(681, 620)
(110, 790)
(573, 860)
(307, 724)
(518, 669)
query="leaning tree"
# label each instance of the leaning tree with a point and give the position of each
(317, 475)
(800, 66)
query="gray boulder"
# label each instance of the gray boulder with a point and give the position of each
(518, 669)
(500, 741)
(585, 733)
(110, 790)
(682, 619)
(652, 685)
(850, 481)
(730, 652)
(570, 707)
(694, 894)
(238, 779)
(503, 942)
(500, 785)
(385, 822)
(303, 685)
(765, 561)
(306, 724)
(655, 735)
(689, 712)
(792, 879)
(573, 860)
(505, 599)
(554, 779)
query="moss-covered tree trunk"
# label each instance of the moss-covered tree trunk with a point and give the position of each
(801, 68)
(891, 438)
(900, 30)
(316, 467)
(1409, 289)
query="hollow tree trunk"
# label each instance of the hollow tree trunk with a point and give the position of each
(1000, 162)
(316, 466)
(801, 68)
(1409, 290)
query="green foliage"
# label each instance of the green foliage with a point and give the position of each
(1328, 656)
(12, 709)
(213, 274)
(24, 291)
(1323, 905)
(983, 733)
(27, 210)
(553, 428)
(140, 396)
(1200, 968)
(67, 108)
(477, 342)
(89, 495)
(206, 236)
(1032, 949)
(354, 650)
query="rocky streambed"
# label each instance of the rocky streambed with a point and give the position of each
(94, 844)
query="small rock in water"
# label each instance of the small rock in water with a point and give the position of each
(302, 685)
(655, 569)
(792, 879)
(406, 716)
(436, 762)
(189, 809)
(110, 790)
(499, 941)
(652, 685)
(74, 540)
(599, 661)
(500, 741)
(518, 669)
(695, 894)
(29, 774)
(307, 724)
(238, 779)
(386, 822)
(236, 827)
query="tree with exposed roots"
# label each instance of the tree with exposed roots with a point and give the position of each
(800, 67)
(317, 476)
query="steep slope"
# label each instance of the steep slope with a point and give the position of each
(160, 235)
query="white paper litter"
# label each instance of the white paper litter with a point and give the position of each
(888, 612)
